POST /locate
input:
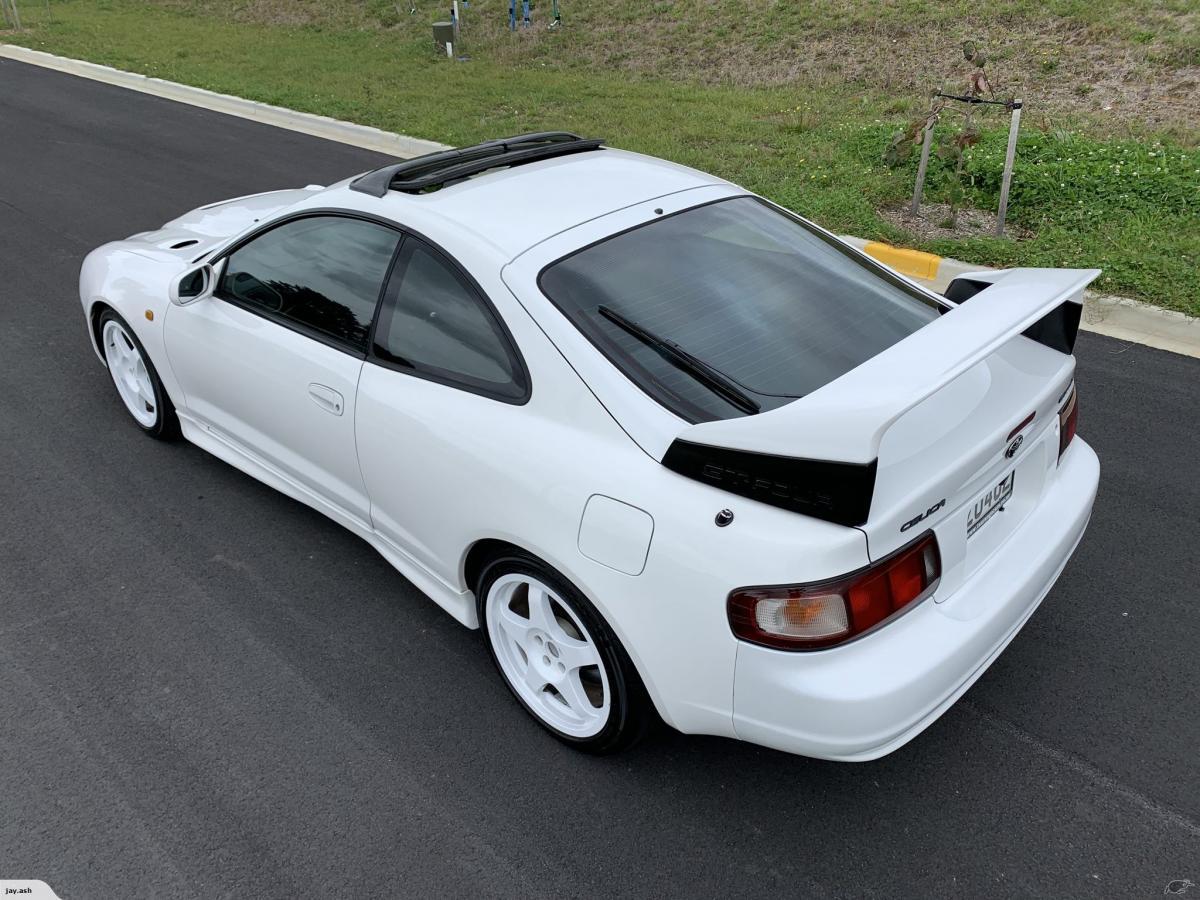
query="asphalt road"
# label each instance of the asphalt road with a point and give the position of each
(208, 690)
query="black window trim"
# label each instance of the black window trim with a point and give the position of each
(520, 369)
(930, 298)
(521, 375)
(856, 256)
(292, 324)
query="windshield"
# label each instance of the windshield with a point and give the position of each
(771, 305)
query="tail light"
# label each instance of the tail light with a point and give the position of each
(1068, 419)
(826, 613)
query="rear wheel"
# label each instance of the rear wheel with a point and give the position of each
(136, 380)
(559, 658)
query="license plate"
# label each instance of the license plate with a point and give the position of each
(990, 502)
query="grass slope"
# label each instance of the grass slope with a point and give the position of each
(718, 86)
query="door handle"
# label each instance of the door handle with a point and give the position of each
(327, 398)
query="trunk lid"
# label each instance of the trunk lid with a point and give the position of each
(940, 460)
(933, 419)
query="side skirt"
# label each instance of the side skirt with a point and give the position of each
(460, 604)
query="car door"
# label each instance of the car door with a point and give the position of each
(270, 363)
(438, 388)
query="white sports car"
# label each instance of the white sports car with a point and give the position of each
(673, 449)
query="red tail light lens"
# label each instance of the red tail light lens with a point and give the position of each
(826, 613)
(1068, 419)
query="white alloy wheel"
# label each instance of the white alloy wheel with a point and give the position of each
(548, 656)
(129, 373)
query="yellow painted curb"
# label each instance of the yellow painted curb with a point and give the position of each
(913, 263)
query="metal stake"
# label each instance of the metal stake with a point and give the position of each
(1009, 156)
(926, 145)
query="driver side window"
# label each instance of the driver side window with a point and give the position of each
(321, 274)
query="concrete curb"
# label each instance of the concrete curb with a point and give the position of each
(1117, 317)
(319, 126)
(913, 263)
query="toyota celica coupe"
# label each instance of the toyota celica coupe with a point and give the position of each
(676, 451)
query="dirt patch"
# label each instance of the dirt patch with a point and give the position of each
(933, 223)
(1125, 67)
(1125, 71)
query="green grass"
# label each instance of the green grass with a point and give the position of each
(813, 144)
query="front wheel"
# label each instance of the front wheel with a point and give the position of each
(559, 658)
(136, 380)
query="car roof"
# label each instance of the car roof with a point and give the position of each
(515, 208)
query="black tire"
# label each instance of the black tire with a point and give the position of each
(631, 712)
(166, 423)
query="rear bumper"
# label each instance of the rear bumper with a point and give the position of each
(864, 700)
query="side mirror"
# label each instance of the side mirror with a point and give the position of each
(194, 284)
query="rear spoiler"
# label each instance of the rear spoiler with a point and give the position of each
(829, 441)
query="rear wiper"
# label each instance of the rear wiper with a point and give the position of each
(713, 379)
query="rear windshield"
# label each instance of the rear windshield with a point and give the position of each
(774, 307)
